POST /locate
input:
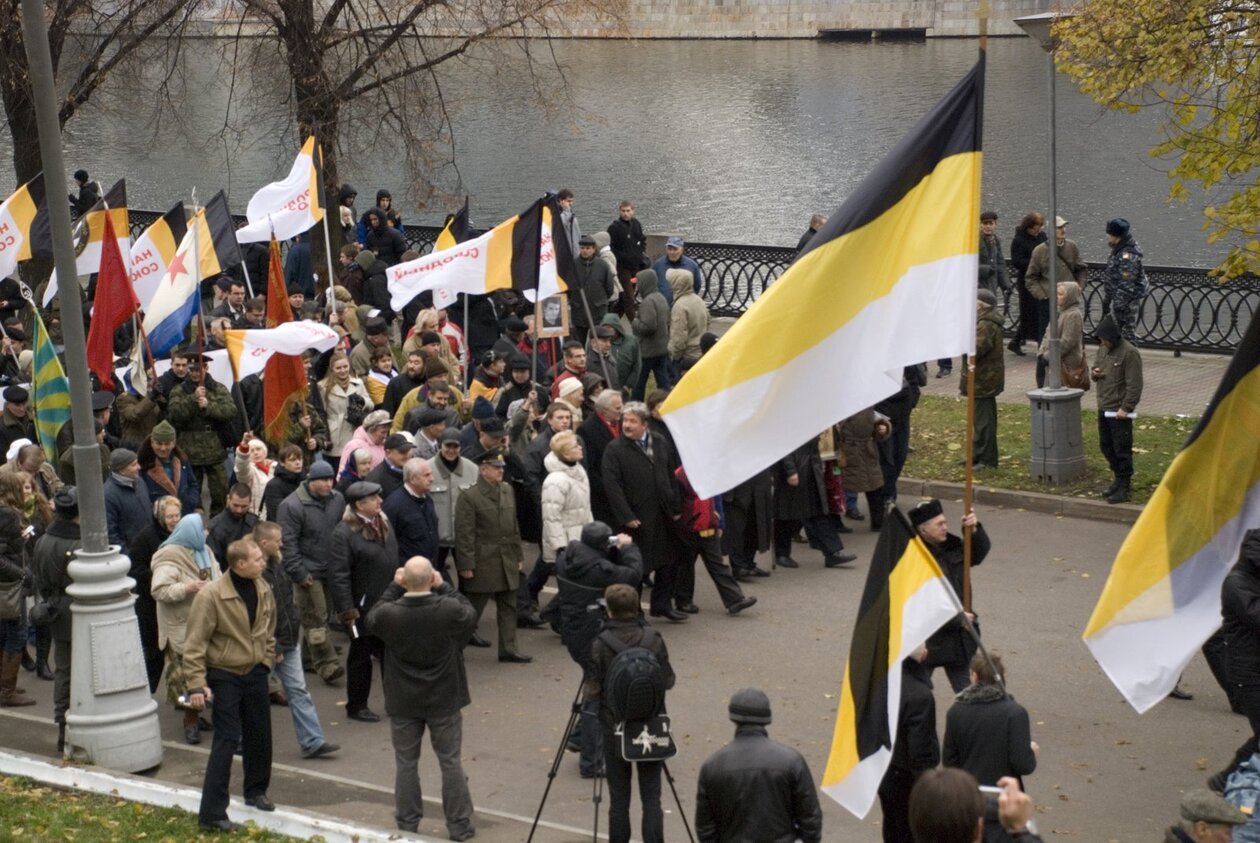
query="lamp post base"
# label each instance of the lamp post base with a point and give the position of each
(112, 721)
(1058, 454)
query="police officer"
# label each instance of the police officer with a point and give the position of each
(1124, 279)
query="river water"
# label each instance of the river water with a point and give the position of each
(718, 141)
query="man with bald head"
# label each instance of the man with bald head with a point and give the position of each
(424, 625)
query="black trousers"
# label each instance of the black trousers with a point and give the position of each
(665, 581)
(708, 548)
(617, 771)
(819, 529)
(241, 710)
(894, 801)
(893, 453)
(359, 668)
(1115, 438)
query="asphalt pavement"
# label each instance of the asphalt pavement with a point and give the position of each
(1104, 772)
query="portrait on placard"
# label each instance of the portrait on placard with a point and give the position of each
(551, 315)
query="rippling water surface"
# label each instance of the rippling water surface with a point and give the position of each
(731, 142)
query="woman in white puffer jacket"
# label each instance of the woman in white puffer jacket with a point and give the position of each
(566, 495)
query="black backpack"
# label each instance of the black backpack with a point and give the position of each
(634, 687)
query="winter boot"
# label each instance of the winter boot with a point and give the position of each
(1111, 490)
(1121, 493)
(28, 661)
(61, 738)
(43, 645)
(10, 697)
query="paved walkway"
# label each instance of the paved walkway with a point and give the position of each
(1172, 385)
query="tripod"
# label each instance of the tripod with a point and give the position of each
(597, 782)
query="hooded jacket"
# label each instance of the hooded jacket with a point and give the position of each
(385, 241)
(625, 350)
(651, 321)
(688, 319)
(1071, 329)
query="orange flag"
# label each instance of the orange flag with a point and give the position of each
(284, 377)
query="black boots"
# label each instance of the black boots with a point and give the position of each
(1120, 491)
(43, 645)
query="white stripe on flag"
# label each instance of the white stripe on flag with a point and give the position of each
(929, 313)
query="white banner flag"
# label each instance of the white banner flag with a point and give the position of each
(287, 207)
(251, 349)
(459, 269)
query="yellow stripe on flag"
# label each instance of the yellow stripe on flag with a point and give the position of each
(22, 208)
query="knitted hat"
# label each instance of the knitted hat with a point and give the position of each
(749, 705)
(568, 386)
(321, 470)
(596, 534)
(163, 431)
(66, 502)
(987, 297)
(365, 258)
(482, 409)
(430, 337)
(376, 418)
(120, 458)
(1106, 329)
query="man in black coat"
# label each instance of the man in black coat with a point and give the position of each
(645, 502)
(233, 523)
(584, 570)
(424, 625)
(411, 512)
(749, 509)
(598, 431)
(363, 558)
(915, 750)
(755, 788)
(951, 646)
(800, 497)
(384, 241)
(1240, 615)
(628, 243)
(389, 473)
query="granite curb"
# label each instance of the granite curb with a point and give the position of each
(1071, 507)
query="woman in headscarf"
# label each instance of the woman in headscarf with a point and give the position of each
(181, 567)
(166, 514)
(253, 469)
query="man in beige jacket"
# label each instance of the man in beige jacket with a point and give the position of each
(228, 653)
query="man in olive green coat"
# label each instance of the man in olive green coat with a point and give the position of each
(990, 379)
(488, 548)
(197, 408)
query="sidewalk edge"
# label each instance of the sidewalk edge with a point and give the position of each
(1069, 507)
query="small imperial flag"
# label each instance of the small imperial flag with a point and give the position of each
(50, 389)
(284, 376)
(905, 600)
(888, 282)
(153, 250)
(1162, 599)
(518, 253)
(289, 207)
(89, 231)
(115, 303)
(207, 249)
(455, 231)
(25, 230)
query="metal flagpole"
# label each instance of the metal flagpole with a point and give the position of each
(327, 225)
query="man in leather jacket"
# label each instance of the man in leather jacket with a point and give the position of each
(740, 795)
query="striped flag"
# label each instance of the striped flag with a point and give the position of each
(250, 350)
(89, 234)
(50, 390)
(905, 600)
(153, 250)
(284, 209)
(888, 282)
(25, 230)
(518, 253)
(1162, 599)
(178, 296)
(455, 231)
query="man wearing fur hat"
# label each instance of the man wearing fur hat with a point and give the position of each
(952, 646)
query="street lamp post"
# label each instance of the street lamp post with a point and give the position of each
(112, 721)
(1057, 451)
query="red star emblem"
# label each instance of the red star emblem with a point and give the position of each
(176, 267)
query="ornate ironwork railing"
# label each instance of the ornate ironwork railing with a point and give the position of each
(1187, 309)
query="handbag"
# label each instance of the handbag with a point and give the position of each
(11, 600)
(1076, 378)
(647, 740)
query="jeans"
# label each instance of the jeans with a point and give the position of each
(12, 636)
(242, 713)
(310, 734)
(658, 366)
(591, 739)
(446, 735)
(532, 586)
(617, 770)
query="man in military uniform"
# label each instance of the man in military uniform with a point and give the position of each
(198, 407)
(990, 379)
(1124, 279)
(488, 548)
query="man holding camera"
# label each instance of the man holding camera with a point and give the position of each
(584, 570)
(424, 624)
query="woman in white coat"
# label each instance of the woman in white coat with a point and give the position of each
(566, 504)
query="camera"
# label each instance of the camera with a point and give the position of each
(612, 541)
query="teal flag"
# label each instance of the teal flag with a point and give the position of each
(51, 391)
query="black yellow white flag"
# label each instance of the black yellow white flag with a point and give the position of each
(888, 282)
